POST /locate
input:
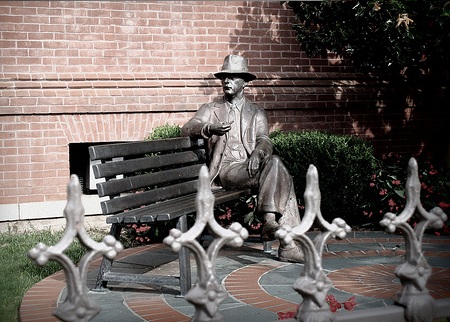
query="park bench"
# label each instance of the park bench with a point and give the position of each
(150, 182)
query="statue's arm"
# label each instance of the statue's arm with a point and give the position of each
(264, 145)
(198, 125)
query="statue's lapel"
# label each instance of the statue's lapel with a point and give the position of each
(246, 116)
(220, 112)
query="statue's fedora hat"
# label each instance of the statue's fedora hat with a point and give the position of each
(234, 64)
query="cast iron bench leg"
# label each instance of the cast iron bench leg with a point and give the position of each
(267, 246)
(106, 265)
(184, 258)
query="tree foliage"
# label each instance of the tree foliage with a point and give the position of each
(377, 36)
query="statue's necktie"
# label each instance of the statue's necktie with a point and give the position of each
(232, 114)
(232, 118)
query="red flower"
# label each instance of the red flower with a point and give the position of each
(368, 214)
(285, 315)
(333, 303)
(426, 188)
(255, 226)
(350, 304)
(391, 202)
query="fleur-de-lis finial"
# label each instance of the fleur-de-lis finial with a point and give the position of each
(77, 306)
(415, 271)
(313, 284)
(207, 294)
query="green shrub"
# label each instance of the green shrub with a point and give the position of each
(388, 188)
(345, 165)
(241, 210)
(164, 132)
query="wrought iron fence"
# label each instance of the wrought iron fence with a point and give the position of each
(414, 302)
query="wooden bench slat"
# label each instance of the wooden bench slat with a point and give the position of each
(134, 200)
(119, 219)
(115, 187)
(109, 151)
(140, 278)
(171, 209)
(189, 206)
(111, 169)
(151, 212)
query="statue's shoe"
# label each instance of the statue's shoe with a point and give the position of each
(291, 253)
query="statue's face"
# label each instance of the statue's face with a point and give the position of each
(233, 84)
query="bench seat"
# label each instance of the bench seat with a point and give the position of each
(170, 209)
(150, 182)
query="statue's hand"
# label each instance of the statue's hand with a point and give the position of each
(253, 163)
(219, 128)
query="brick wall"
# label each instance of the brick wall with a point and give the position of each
(82, 72)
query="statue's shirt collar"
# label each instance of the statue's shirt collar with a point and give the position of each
(238, 104)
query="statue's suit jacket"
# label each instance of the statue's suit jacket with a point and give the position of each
(254, 129)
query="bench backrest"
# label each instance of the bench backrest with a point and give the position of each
(146, 172)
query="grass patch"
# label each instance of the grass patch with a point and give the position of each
(19, 273)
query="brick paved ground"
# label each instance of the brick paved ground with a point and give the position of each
(259, 286)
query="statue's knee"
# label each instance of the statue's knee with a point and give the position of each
(274, 159)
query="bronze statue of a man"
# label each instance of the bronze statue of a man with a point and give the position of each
(240, 152)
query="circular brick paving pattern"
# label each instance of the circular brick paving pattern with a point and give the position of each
(380, 281)
(243, 285)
